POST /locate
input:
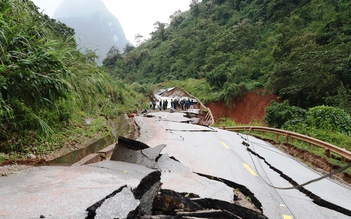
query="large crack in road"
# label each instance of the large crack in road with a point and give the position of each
(151, 200)
(315, 198)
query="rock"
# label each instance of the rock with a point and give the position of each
(31, 156)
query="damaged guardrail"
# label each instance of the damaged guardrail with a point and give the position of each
(345, 154)
(208, 120)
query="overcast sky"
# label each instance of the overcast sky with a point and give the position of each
(135, 16)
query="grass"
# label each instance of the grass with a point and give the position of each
(76, 132)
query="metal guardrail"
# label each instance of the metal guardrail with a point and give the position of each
(209, 120)
(293, 135)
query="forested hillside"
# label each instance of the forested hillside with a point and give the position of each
(48, 87)
(297, 49)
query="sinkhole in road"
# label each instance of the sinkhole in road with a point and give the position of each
(315, 198)
(153, 199)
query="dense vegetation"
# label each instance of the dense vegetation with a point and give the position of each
(47, 86)
(297, 49)
(326, 123)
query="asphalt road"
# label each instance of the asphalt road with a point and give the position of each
(221, 153)
(186, 149)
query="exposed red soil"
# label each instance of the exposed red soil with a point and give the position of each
(245, 109)
(29, 162)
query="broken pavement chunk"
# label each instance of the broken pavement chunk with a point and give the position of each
(118, 206)
(146, 192)
(168, 201)
(146, 157)
(92, 209)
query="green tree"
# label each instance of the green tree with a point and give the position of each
(159, 32)
(195, 10)
(278, 114)
(329, 118)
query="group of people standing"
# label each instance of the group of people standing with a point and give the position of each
(183, 104)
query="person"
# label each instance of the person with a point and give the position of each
(182, 104)
(144, 112)
(187, 104)
(153, 104)
(191, 104)
(160, 106)
(165, 104)
(175, 104)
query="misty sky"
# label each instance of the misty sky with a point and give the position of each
(135, 16)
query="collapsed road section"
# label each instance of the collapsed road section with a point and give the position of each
(220, 155)
(139, 182)
(158, 196)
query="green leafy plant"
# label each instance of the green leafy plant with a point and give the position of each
(279, 114)
(48, 87)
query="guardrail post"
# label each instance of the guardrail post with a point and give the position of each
(327, 152)
(287, 136)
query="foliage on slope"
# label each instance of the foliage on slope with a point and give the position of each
(299, 50)
(326, 123)
(46, 84)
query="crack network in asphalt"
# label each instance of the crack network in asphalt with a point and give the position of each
(151, 201)
(315, 198)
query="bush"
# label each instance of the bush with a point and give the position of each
(329, 118)
(279, 114)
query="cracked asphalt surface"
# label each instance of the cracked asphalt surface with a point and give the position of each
(222, 154)
(191, 159)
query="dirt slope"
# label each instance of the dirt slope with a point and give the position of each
(245, 109)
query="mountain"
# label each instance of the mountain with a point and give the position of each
(95, 27)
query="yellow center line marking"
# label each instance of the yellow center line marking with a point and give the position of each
(250, 170)
(200, 127)
(165, 116)
(287, 217)
(225, 145)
